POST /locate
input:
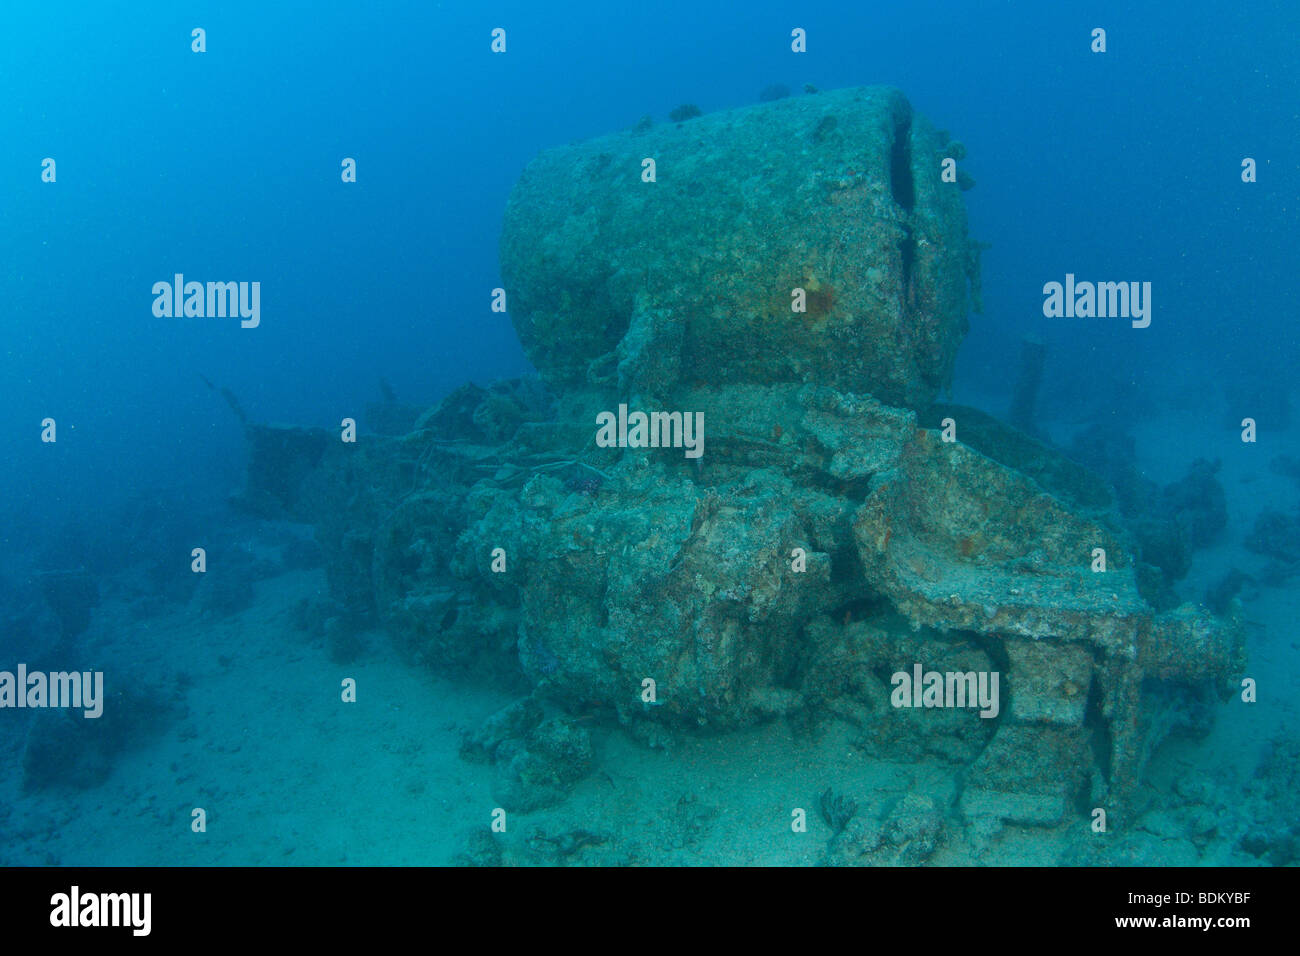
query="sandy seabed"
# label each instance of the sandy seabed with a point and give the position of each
(289, 774)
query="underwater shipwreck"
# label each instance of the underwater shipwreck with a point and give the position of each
(842, 524)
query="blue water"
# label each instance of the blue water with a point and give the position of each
(226, 165)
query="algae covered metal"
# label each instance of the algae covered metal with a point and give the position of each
(839, 529)
(836, 194)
